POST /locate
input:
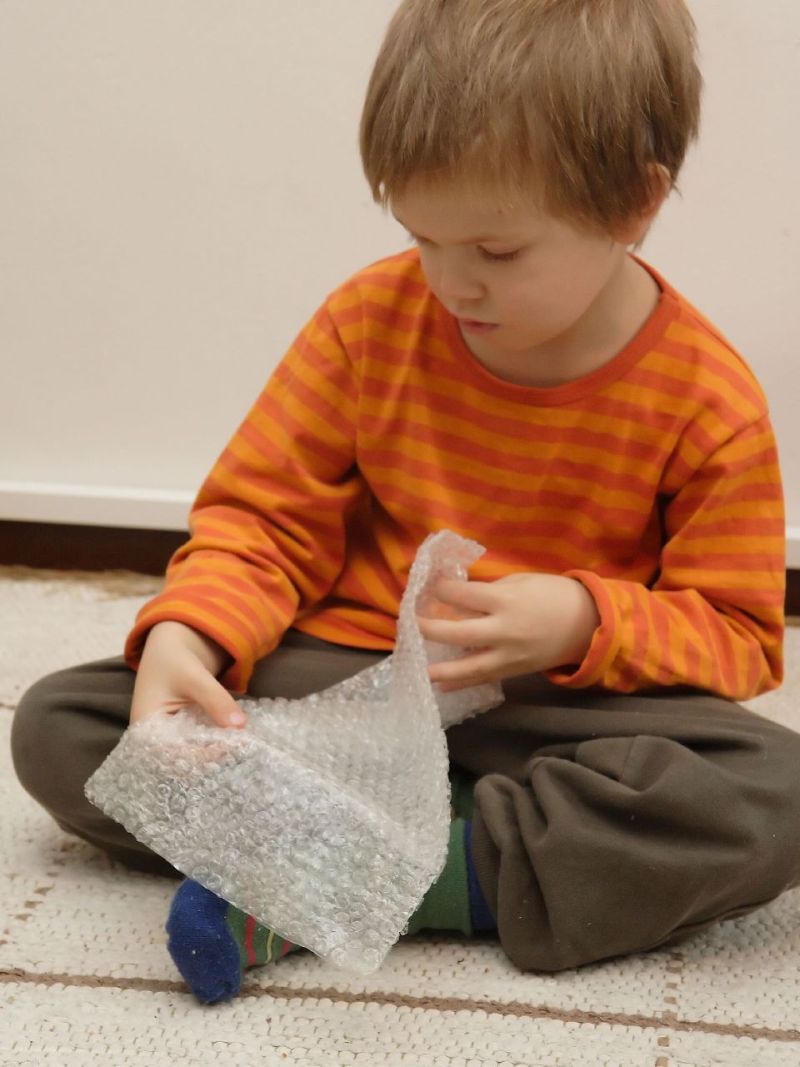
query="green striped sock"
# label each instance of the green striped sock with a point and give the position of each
(444, 907)
(256, 943)
(446, 904)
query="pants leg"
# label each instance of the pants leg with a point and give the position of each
(606, 824)
(67, 723)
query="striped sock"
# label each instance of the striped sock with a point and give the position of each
(446, 905)
(212, 943)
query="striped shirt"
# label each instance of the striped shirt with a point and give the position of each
(653, 480)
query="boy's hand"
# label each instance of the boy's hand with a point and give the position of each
(520, 624)
(177, 669)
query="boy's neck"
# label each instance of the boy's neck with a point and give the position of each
(608, 326)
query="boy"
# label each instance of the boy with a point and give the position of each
(522, 379)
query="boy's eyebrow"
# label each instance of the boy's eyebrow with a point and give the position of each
(467, 241)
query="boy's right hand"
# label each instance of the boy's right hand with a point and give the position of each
(178, 668)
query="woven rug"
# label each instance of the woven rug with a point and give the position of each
(85, 978)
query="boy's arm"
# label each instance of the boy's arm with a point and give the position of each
(714, 616)
(713, 619)
(267, 528)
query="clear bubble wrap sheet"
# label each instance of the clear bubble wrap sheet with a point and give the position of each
(325, 818)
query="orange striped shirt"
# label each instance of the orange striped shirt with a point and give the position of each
(653, 480)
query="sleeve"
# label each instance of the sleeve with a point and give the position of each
(714, 616)
(267, 529)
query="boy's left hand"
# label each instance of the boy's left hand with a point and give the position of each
(519, 624)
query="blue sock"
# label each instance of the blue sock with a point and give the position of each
(201, 944)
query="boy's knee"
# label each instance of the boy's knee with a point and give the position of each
(762, 813)
(66, 724)
(785, 834)
(35, 734)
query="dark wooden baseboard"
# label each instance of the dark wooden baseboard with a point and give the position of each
(793, 593)
(60, 546)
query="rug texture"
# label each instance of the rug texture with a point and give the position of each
(85, 978)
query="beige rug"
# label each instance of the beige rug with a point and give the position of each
(85, 978)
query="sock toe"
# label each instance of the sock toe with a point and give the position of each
(201, 944)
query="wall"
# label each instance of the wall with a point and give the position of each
(180, 188)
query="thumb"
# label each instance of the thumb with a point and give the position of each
(217, 702)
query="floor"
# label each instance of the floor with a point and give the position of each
(85, 978)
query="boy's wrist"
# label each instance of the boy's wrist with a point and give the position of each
(211, 654)
(584, 619)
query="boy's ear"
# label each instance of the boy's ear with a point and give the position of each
(635, 229)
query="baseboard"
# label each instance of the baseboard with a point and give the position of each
(63, 546)
(793, 593)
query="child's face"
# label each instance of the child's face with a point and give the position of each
(550, 289)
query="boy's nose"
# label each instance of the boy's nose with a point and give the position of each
(456, 285)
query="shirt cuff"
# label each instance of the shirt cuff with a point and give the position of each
(605, 640)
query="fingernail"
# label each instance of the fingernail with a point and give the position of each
(237, 718)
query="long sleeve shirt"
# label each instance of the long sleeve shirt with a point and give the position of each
(653, 480)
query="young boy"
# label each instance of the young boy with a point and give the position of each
(523, 379)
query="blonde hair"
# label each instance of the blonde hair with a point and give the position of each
(565, 102)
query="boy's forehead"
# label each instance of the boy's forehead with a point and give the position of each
(473, 218)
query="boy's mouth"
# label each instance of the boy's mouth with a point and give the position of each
(476, 326)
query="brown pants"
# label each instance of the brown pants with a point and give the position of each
(603, 824)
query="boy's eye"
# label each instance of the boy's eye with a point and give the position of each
(498, 257)
(493, 257)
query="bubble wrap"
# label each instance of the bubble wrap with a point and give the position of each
(325, 818)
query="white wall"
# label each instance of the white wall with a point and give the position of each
(180, 187)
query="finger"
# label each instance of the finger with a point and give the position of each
(476, 669)
(216, 701)
(471, 596)
(150, 699)
(433, 608)
(469, 633)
